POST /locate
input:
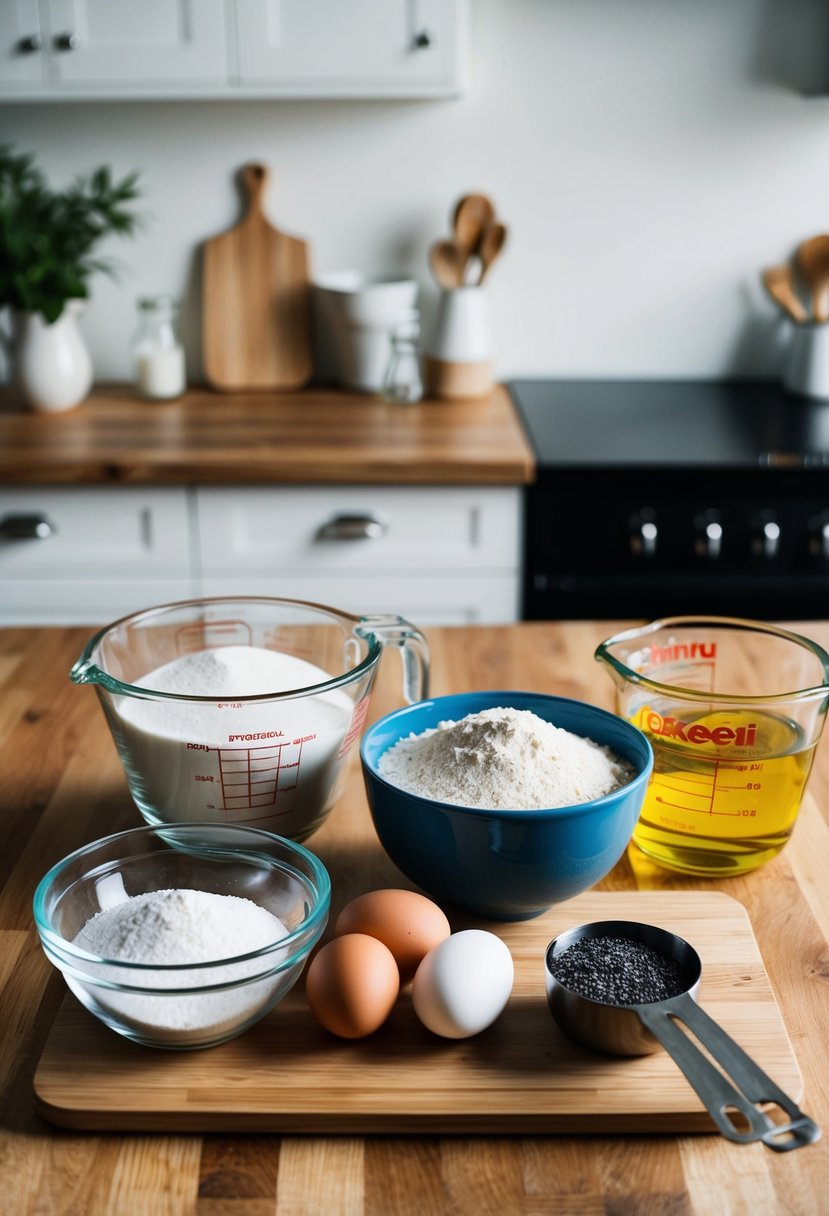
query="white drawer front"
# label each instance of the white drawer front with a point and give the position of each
(100, 533)
(417, 530)
(439, 599)
(84, 601)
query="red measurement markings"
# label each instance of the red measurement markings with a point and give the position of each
(358, 719)
(259, 778)
(710, 788)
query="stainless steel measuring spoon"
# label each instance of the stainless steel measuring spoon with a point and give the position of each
(639, 1029)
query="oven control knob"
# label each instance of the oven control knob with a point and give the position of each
(766, 539)
(709, 535)
(643, 533)
(819, 536)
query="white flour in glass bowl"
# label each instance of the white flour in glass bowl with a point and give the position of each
(273, 765)
(178, 926)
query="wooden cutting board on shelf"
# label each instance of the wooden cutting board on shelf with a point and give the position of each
(287, 1074)
(256, 322)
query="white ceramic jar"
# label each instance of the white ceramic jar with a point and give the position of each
(459, 362)
(807, 372)
(53, 365)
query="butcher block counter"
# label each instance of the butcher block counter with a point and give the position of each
(319, 495)
(325, 436)
(63, 786)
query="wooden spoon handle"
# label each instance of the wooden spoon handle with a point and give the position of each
(492, 242)
(448, 262)
(781, 291)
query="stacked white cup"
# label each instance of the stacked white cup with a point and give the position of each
(360, 313)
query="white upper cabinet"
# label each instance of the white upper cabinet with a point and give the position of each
(108, 48)
(21, 44)
(54, 50)
(316, 48)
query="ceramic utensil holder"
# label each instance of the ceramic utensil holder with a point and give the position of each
(459, 362)
(807, 372)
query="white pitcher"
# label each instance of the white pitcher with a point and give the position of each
(54, 368)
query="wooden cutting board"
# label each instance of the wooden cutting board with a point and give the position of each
(521, 1075)
(256, 324)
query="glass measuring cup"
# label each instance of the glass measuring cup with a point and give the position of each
(734, 710)
(242, 710)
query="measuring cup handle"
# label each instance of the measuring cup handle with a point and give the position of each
(715, 1088)
(414, 652)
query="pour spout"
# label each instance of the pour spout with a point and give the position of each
(85, 672)
(603, 655)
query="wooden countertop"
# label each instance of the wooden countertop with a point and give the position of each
(316, 436)
(61, 785)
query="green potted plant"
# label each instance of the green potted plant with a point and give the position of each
(48, 244)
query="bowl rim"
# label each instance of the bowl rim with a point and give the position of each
(313, 921)
(87, 670)
(568, 810)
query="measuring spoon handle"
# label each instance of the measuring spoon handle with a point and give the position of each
(714, 1087)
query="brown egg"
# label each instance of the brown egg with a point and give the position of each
(408, 923)
(352, 984)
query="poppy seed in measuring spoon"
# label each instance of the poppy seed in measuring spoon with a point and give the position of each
(621, 987)
(598, 974)
(618, 971)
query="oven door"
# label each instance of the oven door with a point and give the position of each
(612, 544)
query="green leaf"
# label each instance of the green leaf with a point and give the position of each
(48, 239)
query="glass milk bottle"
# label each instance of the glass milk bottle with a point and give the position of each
(157, 353)
(402, 381)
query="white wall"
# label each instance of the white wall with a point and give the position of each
(649, 157)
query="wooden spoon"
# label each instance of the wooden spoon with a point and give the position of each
(813, 262)
(472, 216)
(492, 242)
(778, 282)
(448, 262)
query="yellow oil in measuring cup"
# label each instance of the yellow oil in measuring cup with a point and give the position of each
(710, 812)
(734, 711)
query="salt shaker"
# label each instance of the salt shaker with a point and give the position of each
(158, 356)
(403, 381)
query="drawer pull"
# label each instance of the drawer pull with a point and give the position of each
(26, 527)
(352, 527)
(70, 41)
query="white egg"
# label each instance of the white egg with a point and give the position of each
(463, 984)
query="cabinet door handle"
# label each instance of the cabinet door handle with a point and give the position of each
(352, 527)
(30, 44)
(26, 527)
(70, 41)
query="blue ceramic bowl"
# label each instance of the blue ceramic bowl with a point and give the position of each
(502, 864)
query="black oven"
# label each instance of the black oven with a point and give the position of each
(661, 497)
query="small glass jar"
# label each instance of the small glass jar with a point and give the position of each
(403, 382)
(157, 354)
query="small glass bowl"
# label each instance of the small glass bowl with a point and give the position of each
(184, 1006)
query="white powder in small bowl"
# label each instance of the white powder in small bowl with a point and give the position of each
(503, 759)
(180, 927)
